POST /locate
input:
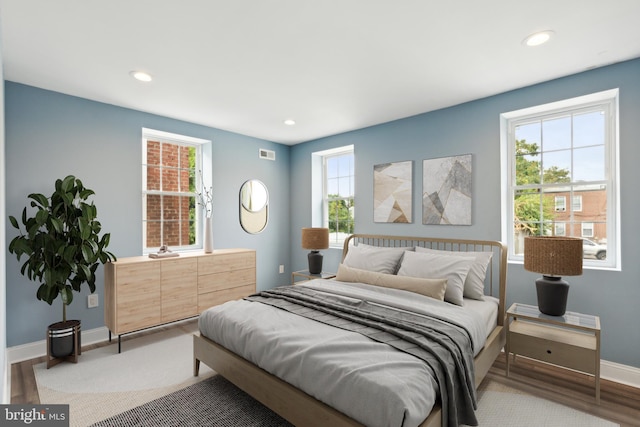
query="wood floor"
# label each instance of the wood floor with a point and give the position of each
(619, 403)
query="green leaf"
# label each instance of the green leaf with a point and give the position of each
(41, 217)
(14, 222)
(66, 294)
(84, 194)
(58, 225)
(94, 247)
(85, 228)
(47, 293)
(67, 183)
(87, 273)
(69, 254)
(67, 198)
(49, 277)
(40, 199)
(87, 253)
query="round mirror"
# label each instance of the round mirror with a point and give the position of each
(254, 206)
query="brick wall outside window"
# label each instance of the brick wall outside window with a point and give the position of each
(170, 217)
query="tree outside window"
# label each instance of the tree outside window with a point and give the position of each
(562, 169)
(339, 201)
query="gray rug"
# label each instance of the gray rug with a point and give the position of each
(226, 405)
(217, 402)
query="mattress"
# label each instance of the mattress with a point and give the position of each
(487, 309)
(369, 381)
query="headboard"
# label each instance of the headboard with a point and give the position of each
(496, 279)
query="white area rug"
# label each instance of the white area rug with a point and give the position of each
(502, 406)
(104, 383)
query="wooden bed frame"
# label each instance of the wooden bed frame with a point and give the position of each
(301, 409)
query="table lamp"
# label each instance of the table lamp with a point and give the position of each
(553, 256)
(315, 238)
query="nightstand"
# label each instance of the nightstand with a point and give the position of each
(571, 341)
(305, 275)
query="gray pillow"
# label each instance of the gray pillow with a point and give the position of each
(437, 266)
(474, 283)
(375, 258)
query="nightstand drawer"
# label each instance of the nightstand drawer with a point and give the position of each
(563, 347)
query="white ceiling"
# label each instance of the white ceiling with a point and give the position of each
(332, 65)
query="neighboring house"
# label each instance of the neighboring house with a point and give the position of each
(582, 214)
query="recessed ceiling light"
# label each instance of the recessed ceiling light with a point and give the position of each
(536, 39)
(289, 122)
(141, 75)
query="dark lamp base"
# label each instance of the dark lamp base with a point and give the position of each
(552, 295)
(315, 262)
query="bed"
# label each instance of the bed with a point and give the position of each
(254, 364)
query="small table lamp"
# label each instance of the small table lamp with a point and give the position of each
(553, 256)
(315, 239)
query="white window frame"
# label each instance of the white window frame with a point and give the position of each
(609, 100)
(576, 203)
(201, 165)
(562, 206)
(320, 200)
(587, 226)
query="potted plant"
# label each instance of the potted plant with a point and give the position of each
(63, 248)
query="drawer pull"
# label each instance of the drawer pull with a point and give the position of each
(548, 351)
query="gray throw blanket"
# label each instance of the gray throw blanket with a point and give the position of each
(446, 348)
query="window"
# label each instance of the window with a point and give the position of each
(170, 179)
(334, 170)
(577, 203)
(563, 151)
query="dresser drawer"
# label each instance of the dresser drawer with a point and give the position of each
(221, 263)
(232, 279)
(210, 299)
(568, 348)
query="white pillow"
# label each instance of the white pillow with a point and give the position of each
(474, 283)
(374, 258)
(437, 266)
(433, 288)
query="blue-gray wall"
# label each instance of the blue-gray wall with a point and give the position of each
(50, 135)
(474, 128)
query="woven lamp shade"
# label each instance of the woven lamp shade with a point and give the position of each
(315, 238)
(553, 255)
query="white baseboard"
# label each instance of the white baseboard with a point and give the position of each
(619, 373)
(36, 349)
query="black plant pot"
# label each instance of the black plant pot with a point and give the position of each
(63, 342)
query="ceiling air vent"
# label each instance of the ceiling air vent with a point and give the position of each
(267, 154)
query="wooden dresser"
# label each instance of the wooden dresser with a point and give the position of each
(141, 292)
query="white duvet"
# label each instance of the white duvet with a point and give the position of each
(370, 382)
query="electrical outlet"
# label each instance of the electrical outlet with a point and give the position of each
(92, 301)
(281, 269)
